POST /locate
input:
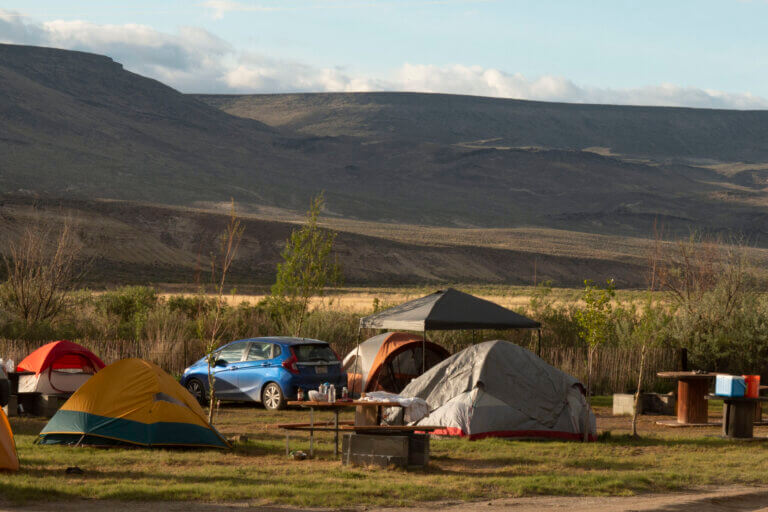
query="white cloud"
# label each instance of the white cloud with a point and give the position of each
(480, 81)
(194, 60)
(221, 7)
(256, 73)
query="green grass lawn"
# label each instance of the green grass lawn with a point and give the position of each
(258, 471)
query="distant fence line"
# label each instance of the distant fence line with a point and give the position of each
(615, 368)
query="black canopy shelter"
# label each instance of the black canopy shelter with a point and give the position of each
(447, 310)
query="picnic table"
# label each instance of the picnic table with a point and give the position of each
(692, 387)
(738, 415)
(367, 417)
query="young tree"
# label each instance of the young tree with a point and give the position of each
(307, 269)
(595, 326)
(647, 329)
(210, 321)
(42, 266)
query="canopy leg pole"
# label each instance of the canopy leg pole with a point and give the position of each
(538, 342)
(357, 358)
(424, 352)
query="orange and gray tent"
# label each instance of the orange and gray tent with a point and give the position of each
(9, 460)
(389, 361)
(132, 402)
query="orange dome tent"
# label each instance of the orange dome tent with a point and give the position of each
(58, 367)
(9, 460)
(389, 361)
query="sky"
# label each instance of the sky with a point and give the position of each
(696, 53)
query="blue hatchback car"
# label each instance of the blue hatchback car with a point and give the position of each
(268, 370)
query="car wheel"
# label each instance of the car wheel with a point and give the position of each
(197, 390)
(272, 397)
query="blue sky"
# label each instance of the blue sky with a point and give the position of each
(707, 53)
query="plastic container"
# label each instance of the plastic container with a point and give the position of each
(730, 385)
(753, 386)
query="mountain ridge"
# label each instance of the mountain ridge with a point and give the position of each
(553, 125)
(79, 126)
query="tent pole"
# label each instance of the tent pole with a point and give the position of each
(538, 342)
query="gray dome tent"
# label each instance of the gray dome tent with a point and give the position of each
(498, 389)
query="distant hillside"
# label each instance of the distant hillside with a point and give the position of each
(75, 124)
(141, 243)
(652, 132)
(78, 126)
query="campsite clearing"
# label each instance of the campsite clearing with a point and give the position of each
(258, 472)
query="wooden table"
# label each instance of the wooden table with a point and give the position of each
(738, 415)
(692, 387)
(367, 414)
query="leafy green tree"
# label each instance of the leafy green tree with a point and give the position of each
(306, 270)
(595, 325)
(719, 314)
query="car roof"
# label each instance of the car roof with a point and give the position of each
(284, 340)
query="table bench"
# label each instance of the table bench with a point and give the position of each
(367, 413)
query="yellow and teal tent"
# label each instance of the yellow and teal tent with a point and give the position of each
(9, 459)
(134, 402)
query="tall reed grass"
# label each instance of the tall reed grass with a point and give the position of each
(137, 322)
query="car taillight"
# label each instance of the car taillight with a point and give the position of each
(290, 363)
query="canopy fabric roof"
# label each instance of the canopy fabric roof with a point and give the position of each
(447, 310)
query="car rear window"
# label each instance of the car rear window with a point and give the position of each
(314, 353)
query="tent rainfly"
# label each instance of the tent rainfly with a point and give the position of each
(59, 367)
(447, 310)
(389, 361)
(497, 389)
(9, 459)
(132, 402)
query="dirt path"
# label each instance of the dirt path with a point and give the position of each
(719, 499)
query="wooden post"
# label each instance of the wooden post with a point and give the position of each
(336, 431)
(366, 415)
(738, 417)
(538, 342)
(691, 405)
